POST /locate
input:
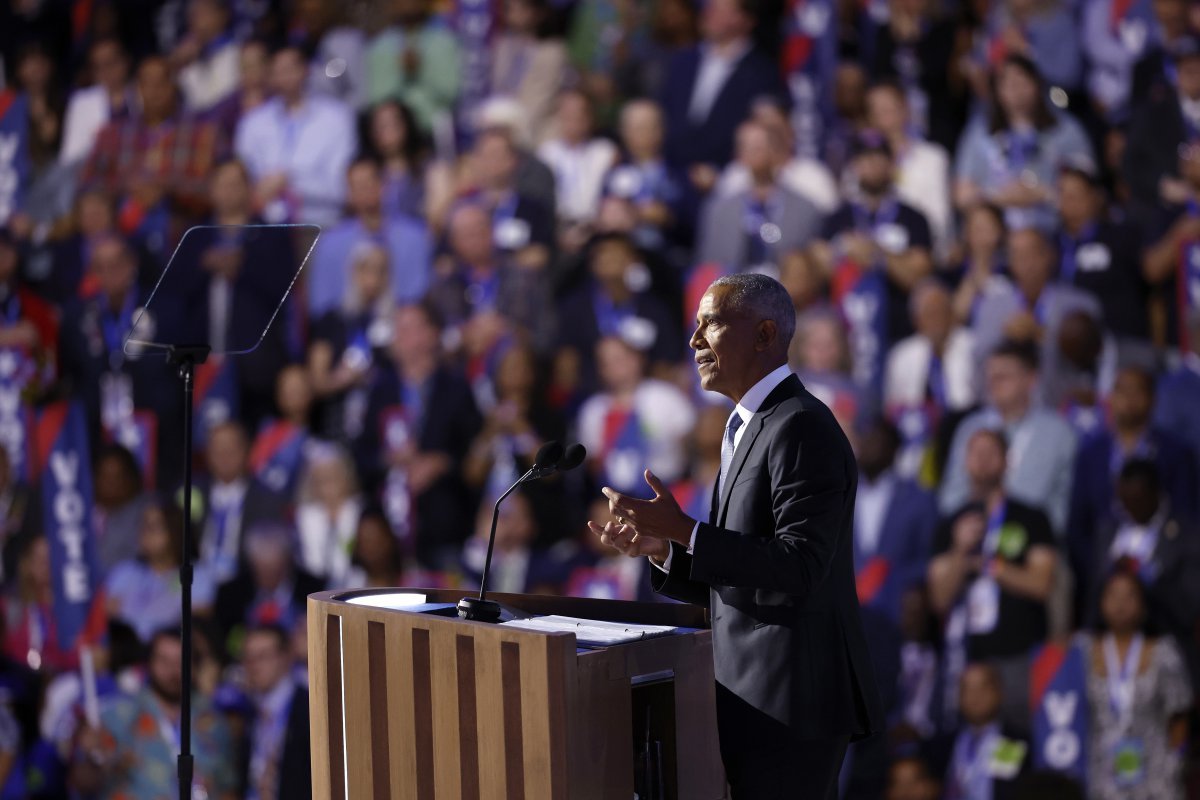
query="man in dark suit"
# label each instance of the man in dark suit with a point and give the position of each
(773, 561)
(275, 764)
(709, 90)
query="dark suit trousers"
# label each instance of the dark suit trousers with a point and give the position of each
(802, 770)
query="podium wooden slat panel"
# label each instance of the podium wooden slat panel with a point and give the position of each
(436, 707)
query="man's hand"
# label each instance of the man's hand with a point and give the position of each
(627, 541)
(660, 518)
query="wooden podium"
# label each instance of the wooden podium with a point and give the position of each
(413, 703)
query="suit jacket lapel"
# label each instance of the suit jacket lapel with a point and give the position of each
(785, 388)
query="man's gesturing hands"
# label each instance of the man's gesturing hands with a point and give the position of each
(644, 527)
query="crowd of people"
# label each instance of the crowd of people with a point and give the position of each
(987, 215)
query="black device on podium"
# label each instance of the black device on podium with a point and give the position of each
(550, 458)
(215, 273)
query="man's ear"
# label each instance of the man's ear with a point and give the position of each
(766, 335)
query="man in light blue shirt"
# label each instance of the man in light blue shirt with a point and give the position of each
(1041, 455)
(404, 238)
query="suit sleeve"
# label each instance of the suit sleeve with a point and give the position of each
(677, 583)
(810, 479)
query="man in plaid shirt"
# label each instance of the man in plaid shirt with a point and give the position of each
(155, 163)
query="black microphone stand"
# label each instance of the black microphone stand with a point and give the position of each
(186, 358)
(480, 609)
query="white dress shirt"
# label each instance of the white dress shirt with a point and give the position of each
(746, 409)
(870, 510)
(711, 77)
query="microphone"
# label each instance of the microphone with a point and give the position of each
(545, 462)
(571, 458)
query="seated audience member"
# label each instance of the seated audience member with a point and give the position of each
(517, 565)
(278, 450)
(144, 591)
(1129, 435)
(1010, 156)
(297, 146)
(1042, 446)
(993, 573)
(133, 751)
(1146, 536)
(71, 276)
(404, 238)
(875, 248)
(1030, 306)
(522, 223)
(983, 259)
(231, 502)
(275, 760)
(531, 178)
(528, 64)
(393, 140)
(1102, 257)
(156, 163)
(420, 421)
(634, 422)
(894, 520)
(820, 356)
(271, 590)
(1172, 260)
(120, 499)
(614, 301)
(92, 107)
(580, 160)
(909, 778)
(802, 174)
(922, 167)
(415, 61)
(1139, 700)
(929, 374)
(751, 229)
(327, 511)
(483, 297)
(207, 56)
(642, 176)
(986, 759)
(1178, 393)
(29, 627)
(348, 340)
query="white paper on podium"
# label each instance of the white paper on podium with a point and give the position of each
(591, 631)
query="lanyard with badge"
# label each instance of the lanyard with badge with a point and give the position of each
(1128, 753)
(116, 386)
(972, 756)
(1071, 249)
(171, 735)
(881, 226)
(983, 597)
(761, 229)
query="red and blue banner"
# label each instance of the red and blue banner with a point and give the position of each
(15, 166)
(278, 454)
(64, 468)
(1059, 703)
(215, 399)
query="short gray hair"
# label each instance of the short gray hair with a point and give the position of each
(761, 294)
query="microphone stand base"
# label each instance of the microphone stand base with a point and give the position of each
(477, 610)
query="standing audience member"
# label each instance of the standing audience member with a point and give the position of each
(276, 762)
(327, 511)
(92, 107)
(580, 160)
(297, 146)
(1139, 698)
(207, 57)
(528, 64)
(415, 61)
(987, 759)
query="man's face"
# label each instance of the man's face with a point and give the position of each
(1029, 259)
(288, 73)
(265, 660)
(619, 366)
(164, 670)
(495, 162)
(985, 461)
(156, 87)
(979, 697)
(413, 336)
(723, 21)
(876, 451)
(754, 149)
(933, 313)
(364, 189)
(1188, 71)
(255, 66)
(230, 190)
(641, 129)
(874, 172)
(1076, 199)
(109, 66)
(113, 267)
(206, 19)
(227, 454)
(726, 341)
(1131, 400)
(471, 235)
(1138, 498)
(885, 111)
(1009, 382)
